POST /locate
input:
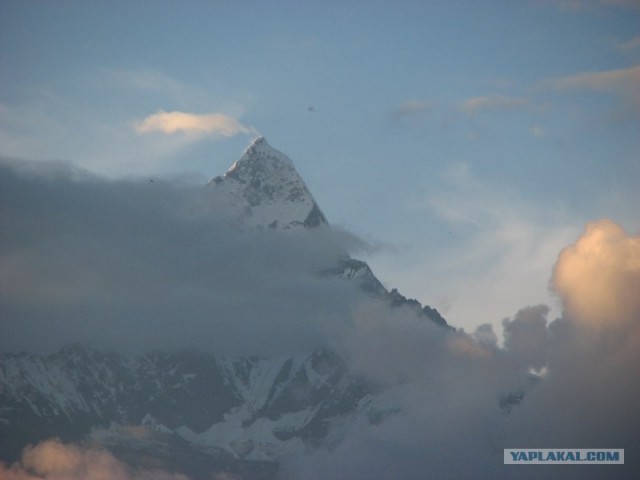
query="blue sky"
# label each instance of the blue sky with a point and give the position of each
(468, 142)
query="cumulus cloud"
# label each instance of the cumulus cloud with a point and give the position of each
(452, 402)
(441, 401)
(526, 335)
(598, 278)
(492, 102)
(590, 393)
(216, 124)
(54, 460)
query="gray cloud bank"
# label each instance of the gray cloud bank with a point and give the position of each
(150, 265)
(143, 265)
(462, 399)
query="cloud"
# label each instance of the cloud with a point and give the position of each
(589, 394)
(53, 460)
(617, 81)
(103, 145)
(412, 107)
(497, 255)
(105, 138)
(492, 102)
(440, 396)
(138, 265)
(215, 124)
(527, 334)
(598, 278)
(622, 85)
(450, 396)
(142, 265)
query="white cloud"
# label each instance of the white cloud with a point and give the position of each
(215, 124)
(492, 102)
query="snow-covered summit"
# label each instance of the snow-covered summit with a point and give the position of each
(264, 190)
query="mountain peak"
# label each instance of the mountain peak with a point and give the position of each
(264, 190)
(260, 147)
(260, 155)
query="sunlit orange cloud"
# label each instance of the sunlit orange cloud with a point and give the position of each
(174, 122)
(492, 102)
(466, 347)
(53, 460)
(598, 278)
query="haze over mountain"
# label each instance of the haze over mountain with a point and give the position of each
(224, 330)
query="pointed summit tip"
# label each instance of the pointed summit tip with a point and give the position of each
(260, 150)
(257, 143)
(258, 140)
(264, 190)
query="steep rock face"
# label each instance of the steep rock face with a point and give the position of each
(78, 389)
(264, 190)
(248, 408)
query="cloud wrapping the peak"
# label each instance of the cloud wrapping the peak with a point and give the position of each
(141, 265)
(216, 124)
(137, 265)
(450, 395)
